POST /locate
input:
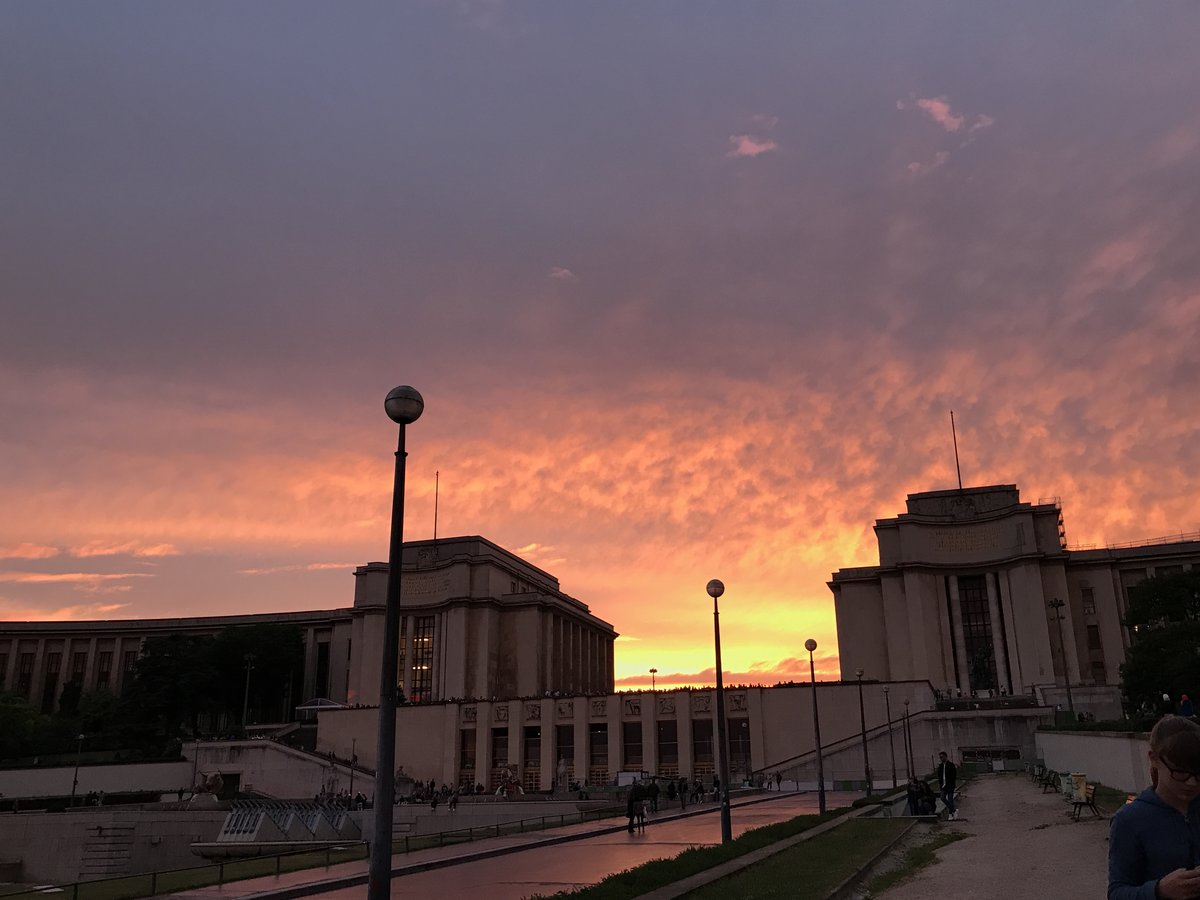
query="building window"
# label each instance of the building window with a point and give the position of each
(564, 742)
(1089, 602)
(3, 669)
(422, 661)
(499, 748)
(321, 687)
(1093, 633)
(104, 669)
(1163, 571)
(598, 745)
(78, 667)
(668, 743)
(977, 632)
(739, 746)
(531, 754)
(25, 675)
(466, 750)
(1099, 676)
(631, 741)
(402, 655)
(50, 683)
(702, 746)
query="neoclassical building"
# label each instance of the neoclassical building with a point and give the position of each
(963, 597)
(477, 621)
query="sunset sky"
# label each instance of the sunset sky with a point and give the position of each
(689, 289)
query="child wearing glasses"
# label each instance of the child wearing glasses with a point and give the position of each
(1154, 842)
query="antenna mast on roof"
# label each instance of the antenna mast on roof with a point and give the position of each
(954, 435)
(437, 475)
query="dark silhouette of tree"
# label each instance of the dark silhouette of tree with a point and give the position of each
(1164, 618)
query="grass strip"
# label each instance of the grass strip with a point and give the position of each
(660, 872)
(809, 870)
(915, 859)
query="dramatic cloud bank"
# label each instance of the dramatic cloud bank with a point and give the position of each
(662, 335)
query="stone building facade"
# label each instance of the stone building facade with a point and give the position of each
(963, 591)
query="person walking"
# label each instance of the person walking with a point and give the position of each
(1154, 841)
(947, 781)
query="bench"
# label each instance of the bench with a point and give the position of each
(1088, 801)
(1050, 779)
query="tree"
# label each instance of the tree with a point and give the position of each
(1164, 617)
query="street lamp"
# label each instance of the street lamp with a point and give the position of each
(75, 780)
(887, 701)
(715, 589)
(862, 722)
(249, 659)
(404, 406)
(653, 672)
(909, 760)
(810, 645)
(1057, 606)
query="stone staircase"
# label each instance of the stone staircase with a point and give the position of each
(107, 851)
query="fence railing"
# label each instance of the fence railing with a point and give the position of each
(150, 884)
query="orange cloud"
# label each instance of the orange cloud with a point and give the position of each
(130, 548)
(27, 550)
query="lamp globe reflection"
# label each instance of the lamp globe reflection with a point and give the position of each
(404, 404)
(810, 645)
(715, 588)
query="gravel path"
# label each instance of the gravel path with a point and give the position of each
(1022, 844)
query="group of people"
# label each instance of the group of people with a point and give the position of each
(643, 797)
(922, 801)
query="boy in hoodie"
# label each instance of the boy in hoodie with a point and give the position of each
(1154, 842)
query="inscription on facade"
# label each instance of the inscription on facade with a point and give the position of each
(974, 540)
(424, 585)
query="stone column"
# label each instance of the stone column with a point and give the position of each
(406, 675)
(650, 733)
(960, 640)
(616, 759)
(483, 742)
(549, 725)
(683, 731)
(582, 738)
(997, 633)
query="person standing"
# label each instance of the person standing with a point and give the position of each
(1185, 707)
(947, 781)
(1154, 841)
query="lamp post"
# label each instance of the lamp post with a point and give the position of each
(75, 780)
(715, 589)
(887, 702)
(653, 672)
(862, 723)
(810, 645)
(404, 406)
(249, 660)
(1057, 606)
(908, 750)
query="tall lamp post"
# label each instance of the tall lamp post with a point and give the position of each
(404, 406)
(862, 722)
(1057, 606)
(653, 673)
(715, 589)
(810, 645)
(908, 750)
(887, 702)
(249, 660)
(75, 780)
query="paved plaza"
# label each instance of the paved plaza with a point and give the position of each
(1022, 845)
(517, 866)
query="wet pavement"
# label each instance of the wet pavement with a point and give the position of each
(540, 863)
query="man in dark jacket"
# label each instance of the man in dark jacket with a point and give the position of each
(947, 781)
